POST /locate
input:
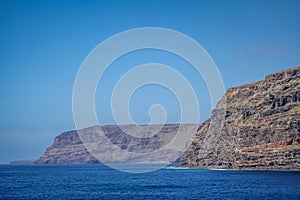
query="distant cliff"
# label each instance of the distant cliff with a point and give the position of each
(68, 147)
(261, 127)
(22, 162)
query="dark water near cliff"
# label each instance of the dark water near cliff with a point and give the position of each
(98, 182)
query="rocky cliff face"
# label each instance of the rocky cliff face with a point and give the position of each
(68, 147)
(261, 127)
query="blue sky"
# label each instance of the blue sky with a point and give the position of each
(43, 44)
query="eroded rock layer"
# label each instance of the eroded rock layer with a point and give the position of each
(261, 127)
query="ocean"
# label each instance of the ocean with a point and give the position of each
(100, 182)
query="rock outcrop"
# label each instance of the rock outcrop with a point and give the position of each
(260, 128)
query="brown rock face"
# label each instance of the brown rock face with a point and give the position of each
(261, 127)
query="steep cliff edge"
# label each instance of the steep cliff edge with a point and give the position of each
(261, 127)
(67, 148)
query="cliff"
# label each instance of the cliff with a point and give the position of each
(261, 127)
(22, 162)
(68, 147)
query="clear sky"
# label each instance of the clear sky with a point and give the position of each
(43, 44)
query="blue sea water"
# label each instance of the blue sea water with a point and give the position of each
(100, 182)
